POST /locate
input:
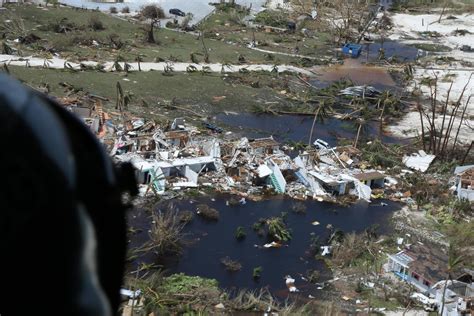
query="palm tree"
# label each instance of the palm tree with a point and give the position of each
(139, 59)
(454, 261)
(362, 127)
(321, 113)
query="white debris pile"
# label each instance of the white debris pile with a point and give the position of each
(419, 161)
(177, 156)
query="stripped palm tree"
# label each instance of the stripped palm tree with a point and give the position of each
(362, 128)
(320, 114)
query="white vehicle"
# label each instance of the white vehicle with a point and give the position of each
(320, 144)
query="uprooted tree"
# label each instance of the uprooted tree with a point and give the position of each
(153, 13)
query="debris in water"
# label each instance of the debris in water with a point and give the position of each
(325, 250)
(290, 283)
(272, 245)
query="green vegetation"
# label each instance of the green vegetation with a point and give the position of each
(257, 272)
(180, 294)
(166, 235)
(69, 31)
(379, 154)
(177, 292)
(231, 265)
(154, 89)
(276, 18)
(240, 233)
(227, 25)
(277, 229)
(181, 284)
(207, 212)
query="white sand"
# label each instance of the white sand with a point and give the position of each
(407, 29)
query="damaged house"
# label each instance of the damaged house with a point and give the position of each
(465, 182)
(419, 265)
(263, 146)
(458, 298)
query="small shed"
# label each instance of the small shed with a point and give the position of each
(371, 179)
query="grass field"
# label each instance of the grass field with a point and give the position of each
(193, 91)
(228, 24)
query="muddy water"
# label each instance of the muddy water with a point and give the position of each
(359, 73)
(297, 128)
(215, 240)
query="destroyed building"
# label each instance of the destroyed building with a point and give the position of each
(458, 297)
(175, 156)
(465, 182)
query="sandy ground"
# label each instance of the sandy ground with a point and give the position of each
(410, 125)
(408, 313)
(58, 63)
(407, 29)
(278, 4)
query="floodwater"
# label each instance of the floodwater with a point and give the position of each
(296, 128)
(215, 240)
(392, 49)
(355, 71)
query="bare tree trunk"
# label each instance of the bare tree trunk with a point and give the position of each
(467, 153)
(422, 127)
(357, 137)
(445, 109)
(316, 114)
(444, 294)
(460, 123)
(442, 12)
(151, 37)
(204, 48)
(453, 115)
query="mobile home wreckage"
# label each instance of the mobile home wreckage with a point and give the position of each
(176, 155)
(181, 156)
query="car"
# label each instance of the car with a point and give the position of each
(177, 12)
(213, 127)
(320, 144)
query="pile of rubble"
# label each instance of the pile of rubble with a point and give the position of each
(178, 156)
